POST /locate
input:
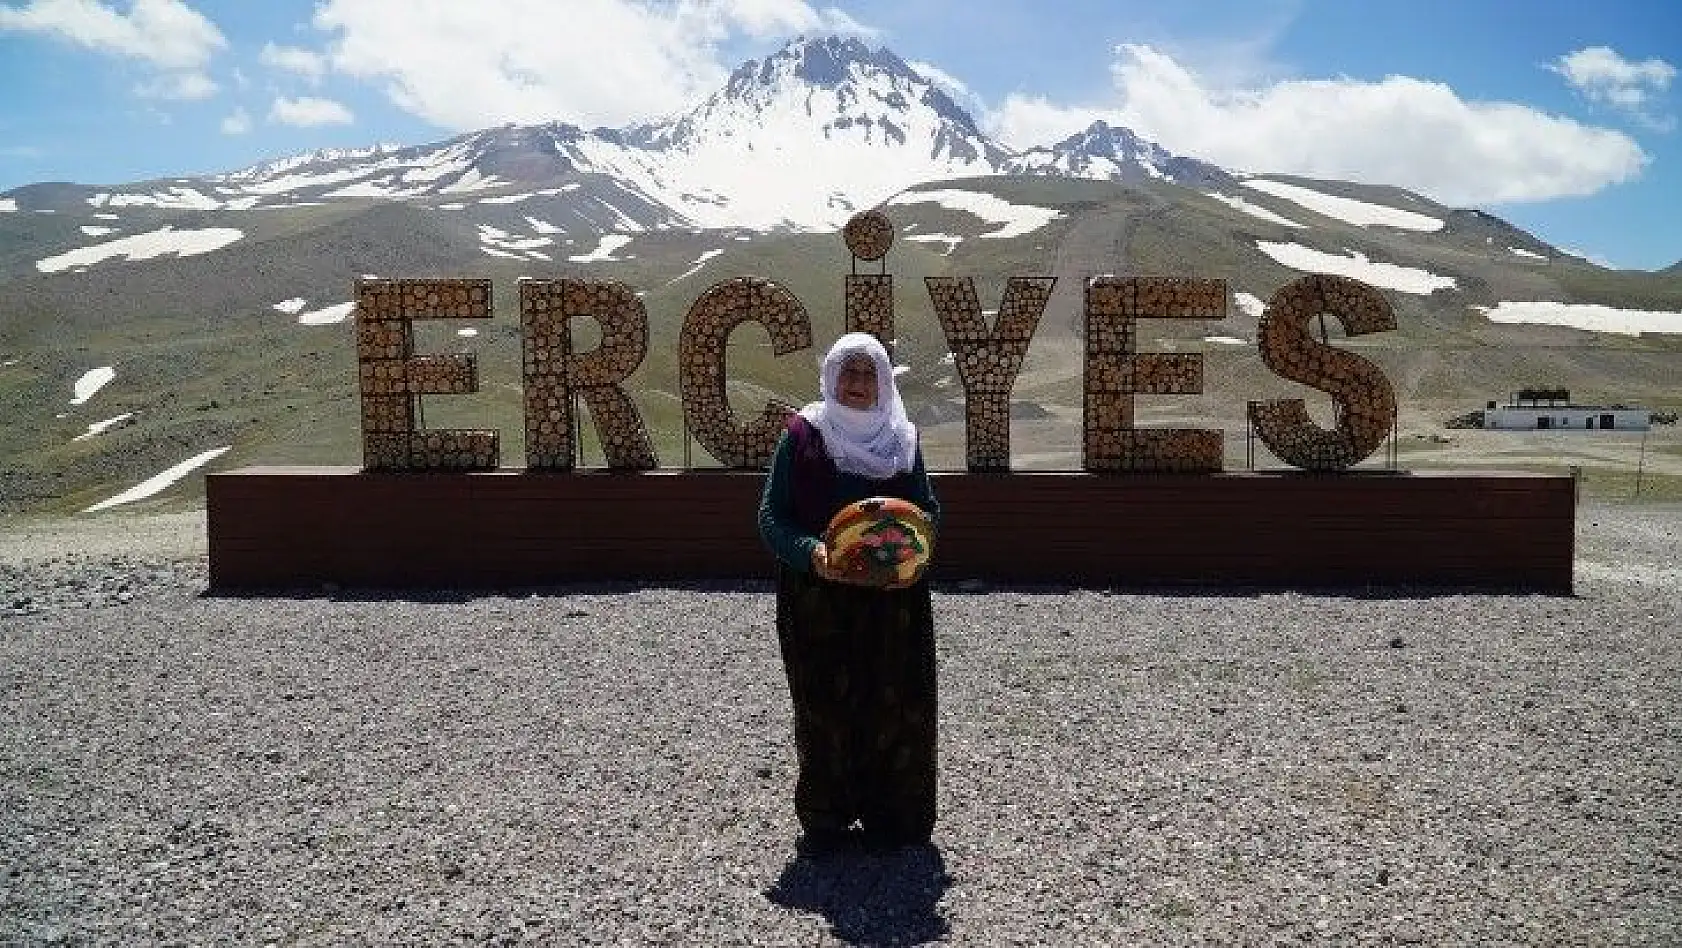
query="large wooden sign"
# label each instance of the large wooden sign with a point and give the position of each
(465, 522)
(987, 357)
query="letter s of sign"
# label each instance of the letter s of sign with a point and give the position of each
(1366, 404)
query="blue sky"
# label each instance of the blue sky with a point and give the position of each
(1559, 115)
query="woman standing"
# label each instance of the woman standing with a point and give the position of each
(859, 659)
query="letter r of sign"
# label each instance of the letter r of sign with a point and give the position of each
(552, 372)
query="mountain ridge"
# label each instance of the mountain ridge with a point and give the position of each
(812, 108)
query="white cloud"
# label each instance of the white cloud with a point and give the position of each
(951, 85)
(165, 33)
(1603, 76)
(307, 111)
(179, 86)
(503, 64)
(293, 59)
(832, 20)
(238, 122)
(1025, 121)
(1401, 131)
(940, 77)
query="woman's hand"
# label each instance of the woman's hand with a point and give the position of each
(826, 570)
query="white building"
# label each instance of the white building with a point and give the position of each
(1545, 415)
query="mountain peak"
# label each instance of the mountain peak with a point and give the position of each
(836, 89)
(1116, 152)
(823, 62)
(1114, 141)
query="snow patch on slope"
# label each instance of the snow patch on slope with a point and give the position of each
(1356, 266)
(176, 199)
(604, 251)
(145, 246)
(497, 237)
(472, 181)
(950, 240)
(1254, 210)
(499, 243)
(700, 262)
(91, 382)
(1014, 219)
(100, 427)
(1252, 306)
(382, 188)
(1348, 210)
(326, 315)
(1586, 316)
(160, 482)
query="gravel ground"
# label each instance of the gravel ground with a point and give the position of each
(614, 766)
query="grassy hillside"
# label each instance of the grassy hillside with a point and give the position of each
(204, 361)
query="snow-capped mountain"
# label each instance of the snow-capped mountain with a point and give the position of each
(800, 140)
(1116, 154)
(805, 138)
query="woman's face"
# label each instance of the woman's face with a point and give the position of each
(856, 386)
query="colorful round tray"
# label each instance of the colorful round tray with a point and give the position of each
(887, 539)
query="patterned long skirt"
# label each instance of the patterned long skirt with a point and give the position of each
(861, 673)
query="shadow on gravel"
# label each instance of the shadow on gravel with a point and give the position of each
(442, 594)
(885, 898)
(1212, 591)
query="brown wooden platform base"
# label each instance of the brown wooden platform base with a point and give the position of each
(289, 527)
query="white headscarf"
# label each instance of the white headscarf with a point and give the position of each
(877, 443)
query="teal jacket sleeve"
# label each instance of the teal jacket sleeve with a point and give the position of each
(922, 492)
(776, 512)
